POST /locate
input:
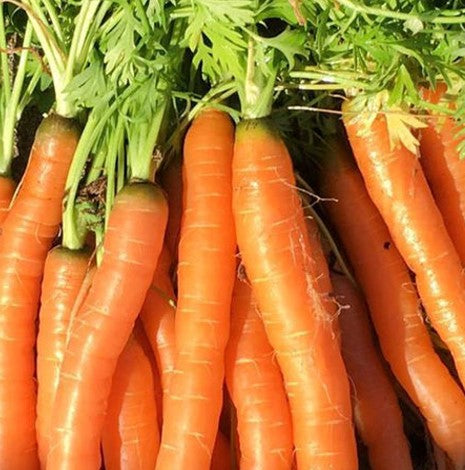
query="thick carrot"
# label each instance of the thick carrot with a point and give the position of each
(277, 254)
(445, 170)
(256, 387)
(27, 234)
(221, 458)
(397, 186)
(157, 316)
(7, 190)
(394, 304)
(377, 413)
(103, 325)
(131, 437)
(206, 273)
(64, 273)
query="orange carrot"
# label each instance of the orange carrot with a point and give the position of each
(27, 234)
(445, 170)
(157, 316)
(397, 186)
(206, 273)
(256, 387)
(277, 254)
(103, 325)
(131, 437)
(64, 273)
(394, 304)
(221, 458)
(7, 190)
(376, 409)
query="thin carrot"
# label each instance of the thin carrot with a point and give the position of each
(445, 170)
(131, 437)
(397, 185)
(157, 317)
(64, 273)
(103, 325)
(394, 304)
(256, 387)
(7, 189)
(221, 458)
(206, 273)
(277, 254)
(27, 234)
(377, 413)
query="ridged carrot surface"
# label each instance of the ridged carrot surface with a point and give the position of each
(256, 388)
(131, 437)
(27, 234)
(64, 273)
(445, 169)
(206, 273)
(277, 254)
(104, 323)
(394, 304)
(377, 413)
(397, 185)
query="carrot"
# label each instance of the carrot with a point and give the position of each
(27, 234)
(103, 325)
(394, 304)
(445, 170)
(221, 458)
(64, 273)
(397, 186)
(256, 387)
(377, 413)
(157, 317)
(131, 437)
(206, 272)
(7, 190)
(277, 255)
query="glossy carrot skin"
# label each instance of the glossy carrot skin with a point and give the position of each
(377, 413)
(64, 273)
(277, 254)
(27, 234)
(256, 387)
(104, 323)
(131, 437)
(206, 273)
(445, 170)
(7, 190)
(397, 186)
(157, 317)
(393, 303)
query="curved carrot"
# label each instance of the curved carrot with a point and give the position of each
(206, 273)
(394, 304)
(103, 324)
(256, 388)
(7, 190)
(221, 458)
(397, 186)
(64, 273)
(27, 234)
(130, 437)
(445, 170)
(377, 412)
(157, 317)
(277, 254)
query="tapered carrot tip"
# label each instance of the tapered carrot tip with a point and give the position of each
(55, 125)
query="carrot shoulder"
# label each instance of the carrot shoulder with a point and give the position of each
(393, 303)
(103, 325)
(27, 234)
(256, 388)
(7, 190)
(206, 272)
(397, 185)
(277, 254)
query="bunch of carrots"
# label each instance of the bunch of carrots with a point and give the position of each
(172, 296)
